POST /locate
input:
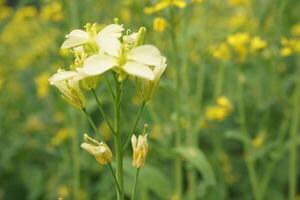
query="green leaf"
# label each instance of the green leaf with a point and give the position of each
(197, 158)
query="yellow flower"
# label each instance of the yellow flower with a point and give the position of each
(100, 150)
(42, 85)
(63, 191)
(238, 39)
(197, 1)
(221, 52)
(159, 24)
(224, 103)
(5, 11)
(238, 20)
(296, 30)
(286, 51)
(259, 140)
(163, 4)
(62, 135)
(140, 150)
(215, 113)
(257, 44)
(52, 11)
(238, 2)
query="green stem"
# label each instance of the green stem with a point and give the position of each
(90, 121)
(114, 176)
(293, 141)
(135, 125)
(118, 143)
(178, 161)
(135, 184)
(109, 87)
(102, 111)
(242, 120)
(219, 81)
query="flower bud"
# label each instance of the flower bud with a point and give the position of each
(66, 82)
(140, 150)
(100, 150)
(150, 86)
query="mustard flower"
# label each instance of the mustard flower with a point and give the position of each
(257, 44)
(159, 24)
(163, 4)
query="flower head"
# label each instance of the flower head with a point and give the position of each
(159, 24)
(140, 150)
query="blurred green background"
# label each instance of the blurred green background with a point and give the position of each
(227, 108)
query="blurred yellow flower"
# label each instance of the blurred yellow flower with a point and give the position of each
(285, 51)
(289, 46)
(221, 51)
(220, 111)
(197, 1)
(63, 191)
(125, 14)
(163, 4)
(159, 24)
(257, 43)
(238, 2)
(215, 113)
(52, 11)
(33, 123)
(296, 30)
(224, 102)
(5, 11)
(62, 135)
(238, 19)
(259, 140)
(42, 85)
(238, 39)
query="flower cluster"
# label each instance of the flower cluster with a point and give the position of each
(220, 111)
(238, 45)
(111, 48)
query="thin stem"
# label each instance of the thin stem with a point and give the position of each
(118, 142)
(109, 87)
(114, 176)
(102, 111)
(177, 135)
(135, 125)
(242, 120)
(293, 141)
(90, 121)
(219, 81)
(135, 183)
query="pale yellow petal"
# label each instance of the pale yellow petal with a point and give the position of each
(139, 70)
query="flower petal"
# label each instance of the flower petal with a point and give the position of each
(158, 71)
(139, 70)
(62, 76)
(75, 38)
(109, 45)
(113, 30)
(96, 64)
(146, 54)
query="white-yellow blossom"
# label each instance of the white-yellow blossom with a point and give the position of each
(140, 150)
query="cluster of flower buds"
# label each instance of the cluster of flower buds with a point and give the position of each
(111, 48)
